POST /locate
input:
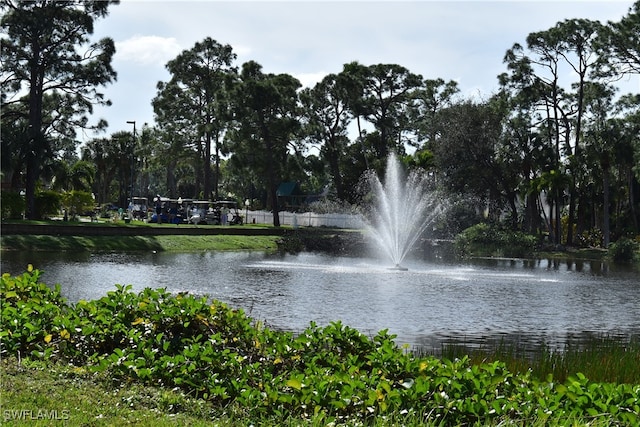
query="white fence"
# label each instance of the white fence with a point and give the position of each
(306, 219)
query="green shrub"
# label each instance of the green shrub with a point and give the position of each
(31, 315)
(47, 203)
(78, 202)
(490, 240)
(623, 250)
(13, 205)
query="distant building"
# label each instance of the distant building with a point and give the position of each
(291, 198)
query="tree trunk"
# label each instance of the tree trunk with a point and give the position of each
(632, 200)
(605, 204)
(514, 211)
(36, 139)
(271, 178)
(364, 152)
(572, 210)
(207, 164)
(334, 165)
(216, 174)
(170, 178)
(30, 186)
(552, 224)
(558, 219)
(531, 220)
(547, 220)
(573, 193)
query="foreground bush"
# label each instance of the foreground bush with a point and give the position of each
(332, 373)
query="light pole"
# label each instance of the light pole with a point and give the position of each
(132, 122)
(246, 211)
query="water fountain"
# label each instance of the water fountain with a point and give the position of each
(404, 207)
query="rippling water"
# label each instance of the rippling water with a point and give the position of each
(530, 301)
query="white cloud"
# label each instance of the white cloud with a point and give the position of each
(148, 50)
(310, 79)
(241, 50)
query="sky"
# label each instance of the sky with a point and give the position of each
(463, 41)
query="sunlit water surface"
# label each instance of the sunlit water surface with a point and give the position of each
(528, 301)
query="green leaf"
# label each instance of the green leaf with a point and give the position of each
(10, 294)
(295, 383)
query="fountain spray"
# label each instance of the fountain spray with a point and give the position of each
(403, 209)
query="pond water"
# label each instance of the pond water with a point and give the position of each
(434, 302)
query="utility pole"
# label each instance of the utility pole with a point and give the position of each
(133, 154)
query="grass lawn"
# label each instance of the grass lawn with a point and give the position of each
(41, 394)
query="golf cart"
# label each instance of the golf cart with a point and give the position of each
(230, 209)
(201, 212)
(138, 208)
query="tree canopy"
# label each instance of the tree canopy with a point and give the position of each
(554, 151)
(51, 74)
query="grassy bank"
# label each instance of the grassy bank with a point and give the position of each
(179, 243)
(45, 394)
(195, 243)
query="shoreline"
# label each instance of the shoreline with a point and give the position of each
(52, 236)
(57, 236)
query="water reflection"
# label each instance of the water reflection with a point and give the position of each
(591, 267)
(478, 302)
